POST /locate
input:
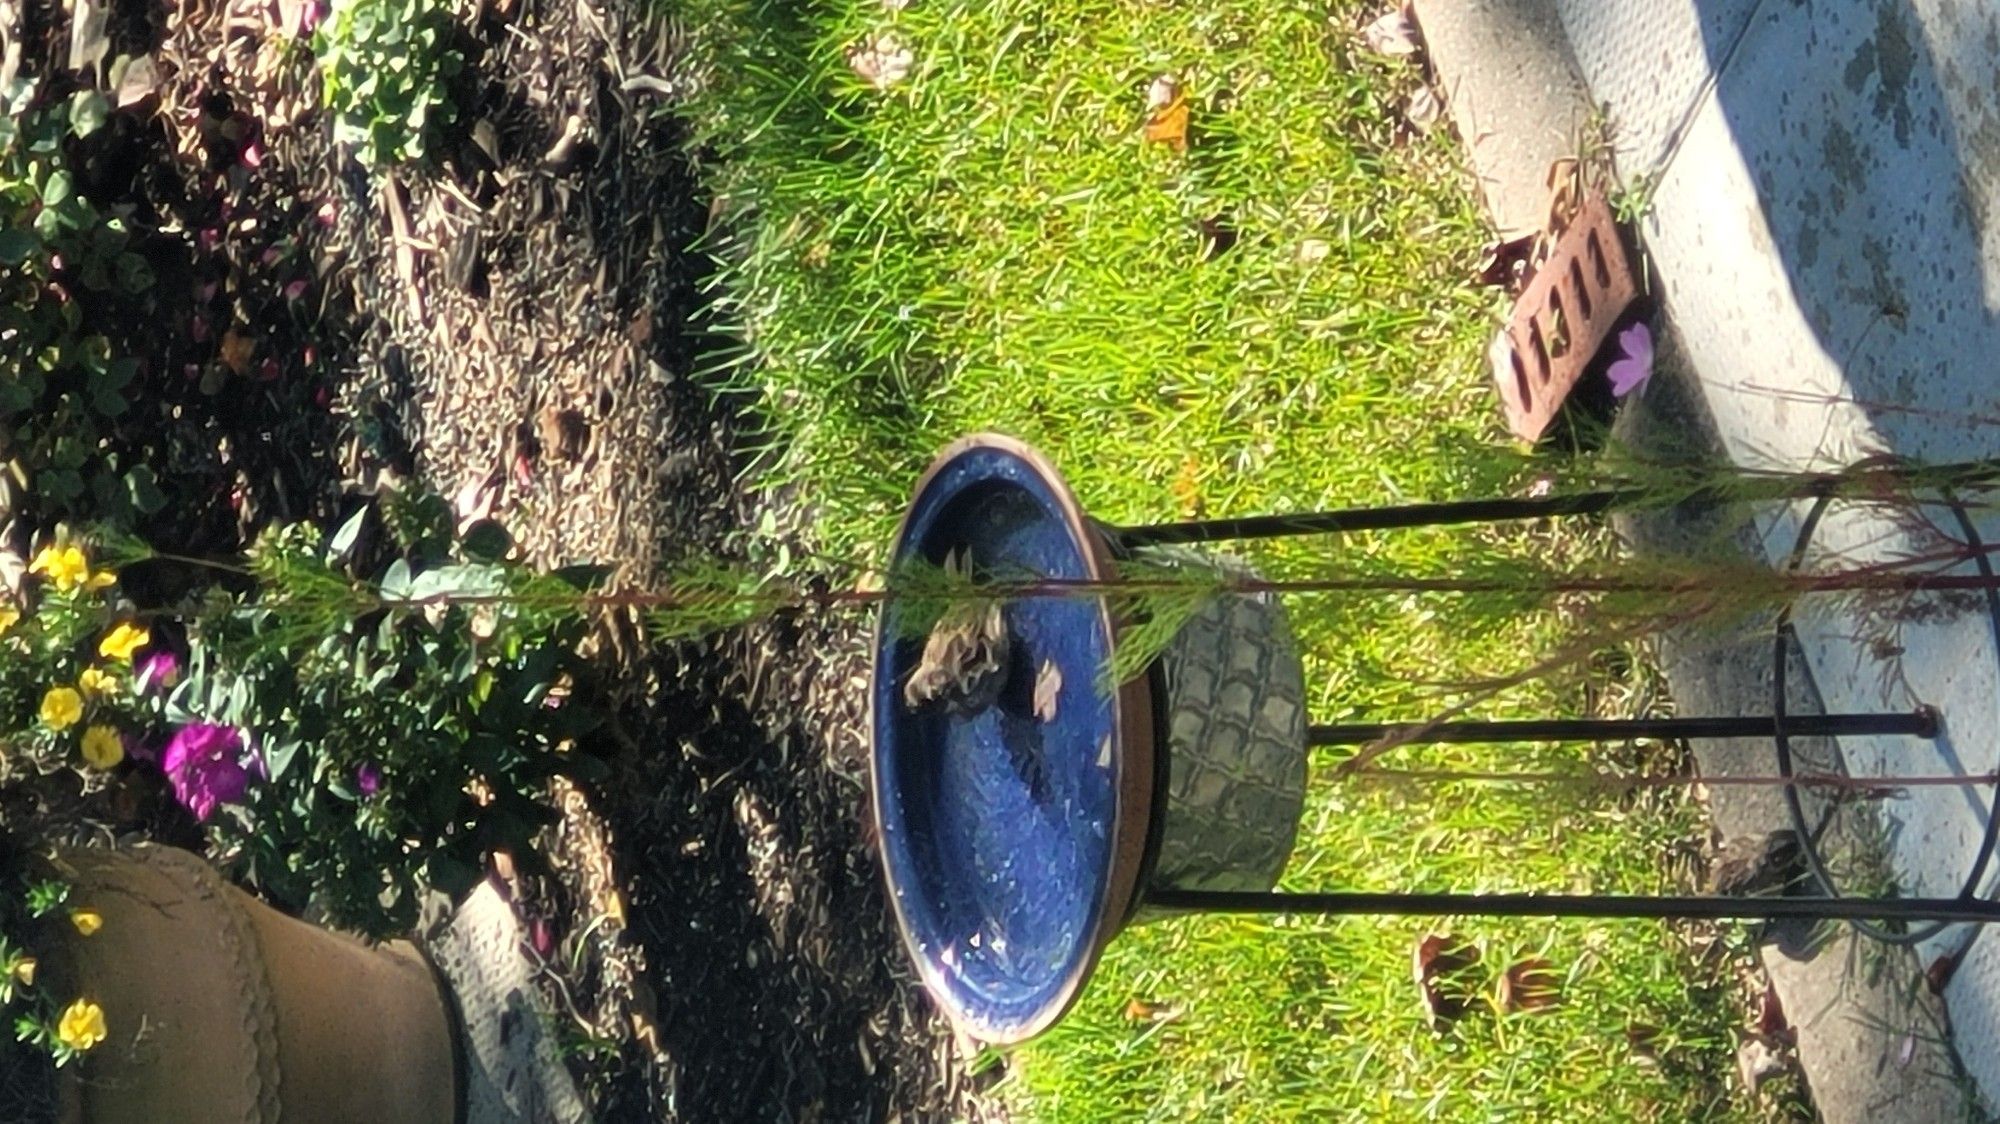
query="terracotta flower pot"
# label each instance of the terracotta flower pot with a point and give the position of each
(220, 1009)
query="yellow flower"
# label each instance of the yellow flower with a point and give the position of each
(9, 617)
(102, 747)
(82, 1026)
(62, 707)
(95, 682)
(24, 971)
(87, 921)
(68, 568)
(122, 641)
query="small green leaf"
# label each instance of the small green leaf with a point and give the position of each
(55, 189)
(16, 246)
(143, 489)
(486, 541)
(88, 110)
(341, 546)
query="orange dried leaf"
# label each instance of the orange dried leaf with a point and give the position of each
(1441, 966)
(1168, 124)
(1148, 1011)
(236, 351)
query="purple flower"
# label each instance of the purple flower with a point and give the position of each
(159, 671)
(368, 778)
(204, 765)
(1629, 373)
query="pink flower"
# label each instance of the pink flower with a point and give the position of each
(159, 671)
(368, 778)
(267, 371)
(208, 238)
(1629, 373)
(253, 154)
(295, 290)
(327, 213)
(204, 766)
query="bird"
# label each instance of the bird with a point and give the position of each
(1751, 865)
(964, 662)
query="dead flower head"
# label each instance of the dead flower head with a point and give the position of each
(881, 60)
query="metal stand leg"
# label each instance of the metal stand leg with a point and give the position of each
(1579, 905)
(1921, 723)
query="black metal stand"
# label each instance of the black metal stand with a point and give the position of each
(1928, 914)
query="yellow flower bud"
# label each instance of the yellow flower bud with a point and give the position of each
(24, 971)
(95, 682)
(87, 921)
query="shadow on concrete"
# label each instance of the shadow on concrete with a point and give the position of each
(1872, 134)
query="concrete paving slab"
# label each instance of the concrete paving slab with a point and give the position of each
(1821, 231)
(1824, 179)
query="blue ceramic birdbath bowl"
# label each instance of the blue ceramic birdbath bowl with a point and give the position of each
(1011, 843)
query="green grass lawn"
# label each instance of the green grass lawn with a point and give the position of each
(989, 244)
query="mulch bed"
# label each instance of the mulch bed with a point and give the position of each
(518, 326)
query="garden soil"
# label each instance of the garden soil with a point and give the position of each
(516, 326)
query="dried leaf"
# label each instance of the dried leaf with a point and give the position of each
(1771, 1015)
(1423, 110)
(1941, 970)
(1394, 33)
(881, 60)
(1753, 864)
(1148, 1011)
(1757, 1061)
(1048, 689)
(406, 254)
(1441, 964)
(1167, 113)
(1907, 1051)
(1506, 263)
(134, 79)
(474, 499)
(87, 41)
(237, 347)
(1532, 984)
(1187, 488)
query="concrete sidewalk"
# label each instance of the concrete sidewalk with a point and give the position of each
(1825, 228)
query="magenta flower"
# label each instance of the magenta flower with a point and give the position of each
(368, 778)
(158, 671)
(204, 765)
(1630, 372)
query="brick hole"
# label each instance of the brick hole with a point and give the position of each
(1595, 249)
(1541, 350)
(1521, 391)
(1560, 329)
(1581, 290)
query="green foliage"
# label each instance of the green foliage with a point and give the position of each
(386, 65)
(427, 684)
(62, 389)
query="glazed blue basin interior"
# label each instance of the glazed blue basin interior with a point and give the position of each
(997, 829)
